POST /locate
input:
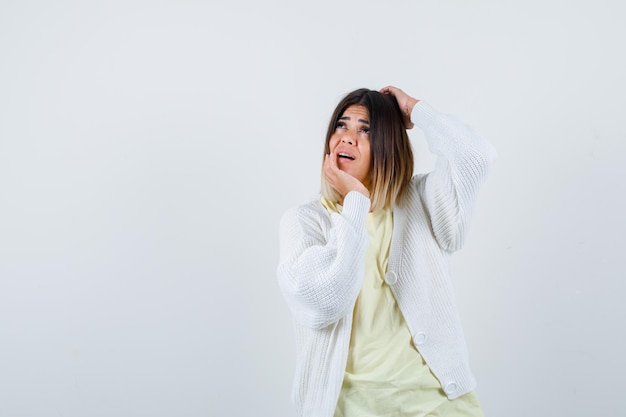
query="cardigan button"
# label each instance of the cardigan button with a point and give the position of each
(391, 278)
(450, 388)
(420, 338)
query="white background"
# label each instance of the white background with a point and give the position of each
(149, 148)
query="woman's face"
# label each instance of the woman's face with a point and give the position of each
(350, 143)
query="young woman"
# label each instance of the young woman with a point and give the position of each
(365, 267)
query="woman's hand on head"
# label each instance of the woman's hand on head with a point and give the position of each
(341, 181)
(405, 102)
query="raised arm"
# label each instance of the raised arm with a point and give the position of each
(463, 161)
(450, 191)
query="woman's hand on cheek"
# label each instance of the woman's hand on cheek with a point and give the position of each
(341, 181)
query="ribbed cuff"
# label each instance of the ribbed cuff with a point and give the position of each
(356, 206)
(423, 114)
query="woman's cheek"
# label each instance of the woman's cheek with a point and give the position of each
(333, 143)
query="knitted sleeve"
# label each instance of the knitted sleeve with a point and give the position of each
(450, 190)
(320, 270)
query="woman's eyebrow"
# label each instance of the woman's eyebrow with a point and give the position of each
(358, 120)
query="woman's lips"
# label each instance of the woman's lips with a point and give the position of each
(346, 155)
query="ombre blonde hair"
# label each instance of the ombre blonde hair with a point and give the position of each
(391, 162)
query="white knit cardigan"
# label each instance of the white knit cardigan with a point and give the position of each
(321, 265)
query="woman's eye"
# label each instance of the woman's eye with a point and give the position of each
(365, 130)
(341, 125)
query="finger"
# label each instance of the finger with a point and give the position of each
(334, 158)
(390, 89)
(336, 177)
(328, 172)
(387, 90)
(331, 170)
(328, 167)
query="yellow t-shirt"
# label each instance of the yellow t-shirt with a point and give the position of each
(385, 374)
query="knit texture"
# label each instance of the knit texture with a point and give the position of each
(321, 263)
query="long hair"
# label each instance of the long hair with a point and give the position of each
(391, 162)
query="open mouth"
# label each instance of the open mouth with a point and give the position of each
(346, 156)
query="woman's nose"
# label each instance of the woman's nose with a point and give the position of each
(348, 139)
